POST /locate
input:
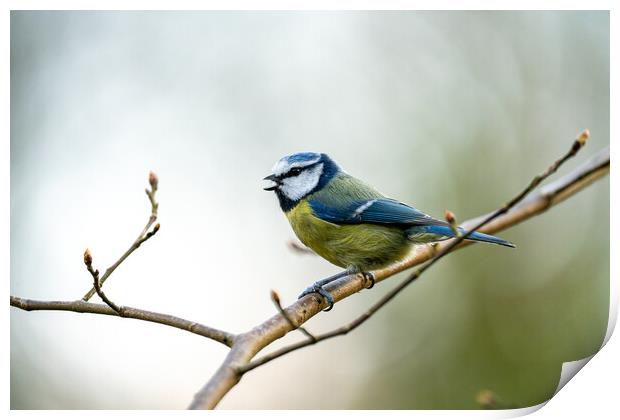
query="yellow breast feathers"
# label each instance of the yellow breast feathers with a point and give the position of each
(361, 246)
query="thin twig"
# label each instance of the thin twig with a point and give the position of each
(144, 235)
(110, 308)
(248, 344)
(300, 249)
(88, 261)
(80, 306)
(576, 146)
(275, 298)
(489, 400)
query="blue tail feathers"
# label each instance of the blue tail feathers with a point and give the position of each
(483, 237)
(445, 231)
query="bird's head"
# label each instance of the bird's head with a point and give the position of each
(298, 175)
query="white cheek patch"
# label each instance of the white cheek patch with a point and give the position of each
(296, 187)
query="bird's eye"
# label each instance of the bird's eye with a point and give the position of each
(295, 171)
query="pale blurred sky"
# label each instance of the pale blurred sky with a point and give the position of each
(438, 109)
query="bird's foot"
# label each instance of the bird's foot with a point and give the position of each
(368, 276)
(318, 288)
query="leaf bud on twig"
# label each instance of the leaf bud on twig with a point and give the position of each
(88, 258)
(449, 216)
(275, 297)
(153, 180)
(583, 137)
(486, 399)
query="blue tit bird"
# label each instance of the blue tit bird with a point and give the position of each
(349, 223)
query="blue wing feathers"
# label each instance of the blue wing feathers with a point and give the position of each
(380, 210)
(391, 212)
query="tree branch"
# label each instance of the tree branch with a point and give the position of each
(247, 345)
(223, 337)
(80, 306)
(345, 329)
(438, 254)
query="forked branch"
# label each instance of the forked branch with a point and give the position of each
(144, 235)
(439, 253)
(244, 347)
(524, 205)
(83, 305)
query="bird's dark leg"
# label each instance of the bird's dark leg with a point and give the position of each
(369, 276)
(317, 287)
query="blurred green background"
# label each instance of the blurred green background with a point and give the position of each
(442, 110)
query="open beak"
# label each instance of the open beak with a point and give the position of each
(275, 182)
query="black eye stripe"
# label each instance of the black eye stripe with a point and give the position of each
(295, 171)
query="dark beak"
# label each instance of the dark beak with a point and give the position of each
(274, 179)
